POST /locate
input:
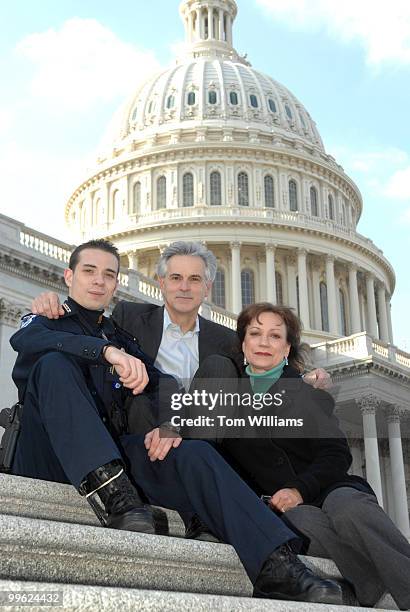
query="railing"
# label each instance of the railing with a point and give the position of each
(279, 217)
(358, 346)
(42, 244)
(223, 317)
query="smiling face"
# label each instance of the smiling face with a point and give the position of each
(93, 281)
(265, 344)
(184, 287)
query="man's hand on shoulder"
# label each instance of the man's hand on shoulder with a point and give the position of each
(158, 446)
(48, 305)
(132, 371)
(319, 379)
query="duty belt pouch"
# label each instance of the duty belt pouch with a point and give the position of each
(10, 419)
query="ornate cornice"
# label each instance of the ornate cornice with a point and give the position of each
(35, 270)
(10, 312)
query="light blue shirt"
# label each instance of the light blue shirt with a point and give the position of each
(178, 353)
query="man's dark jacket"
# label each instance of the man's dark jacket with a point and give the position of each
(39, 336)
(145, 322)
(314, 465)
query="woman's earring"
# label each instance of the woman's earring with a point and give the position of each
(245, 361)
(286, 360)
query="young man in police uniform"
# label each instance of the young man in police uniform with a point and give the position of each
(69, 373)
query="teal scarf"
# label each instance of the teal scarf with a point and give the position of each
(260, 383)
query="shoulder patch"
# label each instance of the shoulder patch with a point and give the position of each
(26, 320)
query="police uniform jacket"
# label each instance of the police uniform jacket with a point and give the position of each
(314, 465)
(72, 336)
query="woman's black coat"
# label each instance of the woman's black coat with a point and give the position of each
(315, 460)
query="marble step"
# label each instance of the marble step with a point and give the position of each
(81, 598)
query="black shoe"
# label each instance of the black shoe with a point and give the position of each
(124, 508)
(284, 576)
(197, 530)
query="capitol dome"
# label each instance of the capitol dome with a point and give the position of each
(213, 150)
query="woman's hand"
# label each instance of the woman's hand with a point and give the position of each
(284, 499)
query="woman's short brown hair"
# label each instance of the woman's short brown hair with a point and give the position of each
(292, 322)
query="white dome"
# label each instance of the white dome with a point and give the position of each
(215, 91)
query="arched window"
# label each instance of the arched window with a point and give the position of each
(233, 98)
(134, 114)
(243, 189)
(293, 195)
(212, 97)
(254, 101)
(248, 288)
(331, 207)
(136, 199)
(188, 189)
(342, 313)
(279, 288)
(98, 211)
(191, 98)
(162, 192)
(269, 192)
(313, 202)
(218, 289)
(288, 111)
(215, 188)
(272, 105)
(151, 106)
(324, 307)
(170, 102)
(302, 121)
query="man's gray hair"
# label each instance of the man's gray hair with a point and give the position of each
(188, 248)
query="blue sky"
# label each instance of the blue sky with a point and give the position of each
(66, 66)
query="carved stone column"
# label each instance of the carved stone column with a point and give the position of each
(371, 306)
(270, 273)
(368, 407)
(398, 481)
(331, 295)
(236, 277)
(354, 300)
(317, 314)
(291, 274)
(303, 289)
(383, 323)
(132, 260)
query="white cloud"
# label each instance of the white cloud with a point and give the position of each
(35, 187)
(6, 120)
(83, 64)
(398, 186)
(382, 28)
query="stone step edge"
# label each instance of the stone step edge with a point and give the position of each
(83, 597)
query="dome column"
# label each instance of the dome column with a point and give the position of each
(381, 300)
(317, 318)
(303, 289)
(221, 25)
(371, 306)
(354, 300)
(270, 273)
(401, 510)
(368, 407)
(228, 29)
(236, 277)
(389, 322)
(331, 295)
(132, 260)
(211, 33)
(291, 274)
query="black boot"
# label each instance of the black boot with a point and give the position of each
(197, 530)
(284, 576)
(124, 509)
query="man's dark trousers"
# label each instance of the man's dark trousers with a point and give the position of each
(63, 438)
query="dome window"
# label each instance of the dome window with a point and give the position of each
(191, 98)
(162, 192)
(136, 199)
(188, 189)
(243, 189)
(293, 196)
(215, 184)
(247, 287)
(331, 207)
(218, 289)
(288, 111)
(212, 97)
(302, 120)
(269, 192)
(134, 114)
(313, 202)
(170, 102)
(150, 106)
(254, 101)
(233, 98)
(272, 105)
